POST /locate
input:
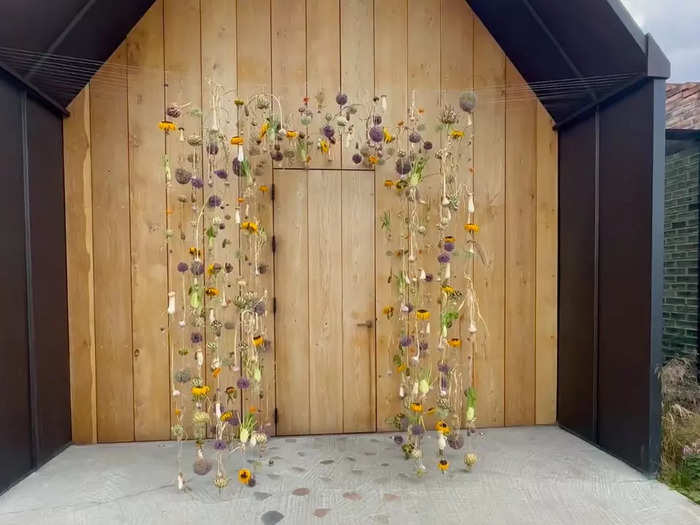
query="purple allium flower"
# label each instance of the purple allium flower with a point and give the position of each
(197, 182)
(222, 174)
(427, 145)
(448, 246)
(398, 439)
(197, 268)
(236, 167)
(243, 383)
(276, 156)
(377, 120)
(414, 137)
(196, 337)
(220, 444)
(341, 99)
(423, 346)
(212, 148)
(428, 277)
(403, 166)
(357, 158)
(443, 382)
(235, 420)
(444, 258)
(376, 133)
(182, 267)
(443, 367)
(328, 131)
(417, 430)
(259, 308)
(214, 201)
(182, 176)
(406, 340)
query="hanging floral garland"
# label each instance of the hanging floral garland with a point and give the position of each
(414, 285)
(219, 310)
(228, 148)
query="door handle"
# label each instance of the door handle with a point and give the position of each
(367, 323)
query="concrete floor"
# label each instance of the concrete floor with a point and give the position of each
(525, 475)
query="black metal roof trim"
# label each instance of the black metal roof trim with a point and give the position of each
(594, 42)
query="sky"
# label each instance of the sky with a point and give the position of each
(675, 25)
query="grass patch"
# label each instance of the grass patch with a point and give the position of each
(680, 443)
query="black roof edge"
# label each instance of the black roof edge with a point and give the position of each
(657, 66)
(36, 92)
(629, 23)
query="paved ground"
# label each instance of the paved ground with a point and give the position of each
(533, 476)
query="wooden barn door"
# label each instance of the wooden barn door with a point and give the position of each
(324, 287)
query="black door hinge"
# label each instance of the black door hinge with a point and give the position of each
(274, 305)
(274, 244)
(272, 192)
(276, 416)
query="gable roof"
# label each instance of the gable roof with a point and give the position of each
(575, 54)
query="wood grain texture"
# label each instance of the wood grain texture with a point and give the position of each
(359, 401)
(79, 264)
(289, 61)
(357, 62)
(149, 258)
(292, 290)
(546, 286)
(325, 302)
(254, 71)
(490, 195)
(111, 215)
(361, 47)
(521, 215)
(390, 76)
(182, 62)
(323, 67)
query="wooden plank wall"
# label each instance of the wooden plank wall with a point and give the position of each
(119, 267)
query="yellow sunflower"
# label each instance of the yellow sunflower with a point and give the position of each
(244, 476)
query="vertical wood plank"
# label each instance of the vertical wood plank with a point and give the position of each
(325, 337)
(218, 28)
(546, 287)
(79, 263)
(357, 62)
(292, 289)
(289, 60)
(182, 59)
(148, 248)
(521, 228)
(323, 67)
(254, 72)
(424, 80)
(113, 329)
(390, 75)
(457, 76)
(358, 366)
(490, 187)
